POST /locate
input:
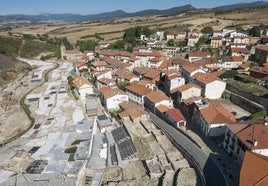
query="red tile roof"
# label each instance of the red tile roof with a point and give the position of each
(162, 108)
(253, 132)
(190, 68)
(139, 89)
(215, 113)
(258, 69)
(157, 96)
(254, 170)
(152, 73)
(79, 64)
(188, 86)
(237, 58)
(166, 63)
(112, 92)
(198, 54)
(175, 114)
(79, 82)
(104, 89)
(99, 63)
(180, 61)
(141, 70)
(206, 78)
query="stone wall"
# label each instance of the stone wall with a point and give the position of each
(259, 100)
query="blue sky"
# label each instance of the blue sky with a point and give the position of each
(99, 6)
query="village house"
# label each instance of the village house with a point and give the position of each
(180, 36)
(217, 33)
(103, 74)
(188, 91)
(98, 66)
(228, 62)
(234, 34)
(211, 117)
(83, 87)
(111, 98)
(103, 45)
(254, 170)
(189, 70)
(112, 63)
(104, 82)
(140, 71)
(160, 35)
(258, 72)
(155, 62)
(103, 53)
(159, 45)
(166, 65)
(261, 54)
(226, 31)
(156, 98)
(246, 136)
(170, 36)
(216, 42)
(192, 41)
(152, 75)
(132, 112)
(146, 56)
(207, 63)
(241, 52)
(193, 56)
(125, 75)
(212, 86)
(88, 55)
(125, 56)
(137, 93)
(79, 67)
(175, 118)
(170, 51)
(70, 55)
(173, 81)
(178, 63)
(241, 40)
(146, 83)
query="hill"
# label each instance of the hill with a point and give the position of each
(52, 18)
(10, 68)
(243, 5)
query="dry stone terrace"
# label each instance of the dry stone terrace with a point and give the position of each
(57, 147)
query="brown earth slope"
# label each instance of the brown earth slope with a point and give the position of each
(10, 68)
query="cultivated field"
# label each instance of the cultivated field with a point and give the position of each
(113, 29)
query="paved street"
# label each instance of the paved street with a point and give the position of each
(212, 172)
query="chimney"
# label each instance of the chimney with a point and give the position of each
(255, 142)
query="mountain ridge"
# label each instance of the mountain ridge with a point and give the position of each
(68, 17)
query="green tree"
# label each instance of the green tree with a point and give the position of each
(122, 85)
(255, 31)
(86, 45)
(207, 30)
(201, 41)
(118, 45)
(171, 42)
(230, 74)
(258, 115)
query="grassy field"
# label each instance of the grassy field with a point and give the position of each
(113, 29)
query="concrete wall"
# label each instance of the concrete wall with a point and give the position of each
(254, 98)
(242, 102)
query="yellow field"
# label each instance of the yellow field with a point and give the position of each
(114, 29)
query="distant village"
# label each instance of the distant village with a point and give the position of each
(181, 85)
